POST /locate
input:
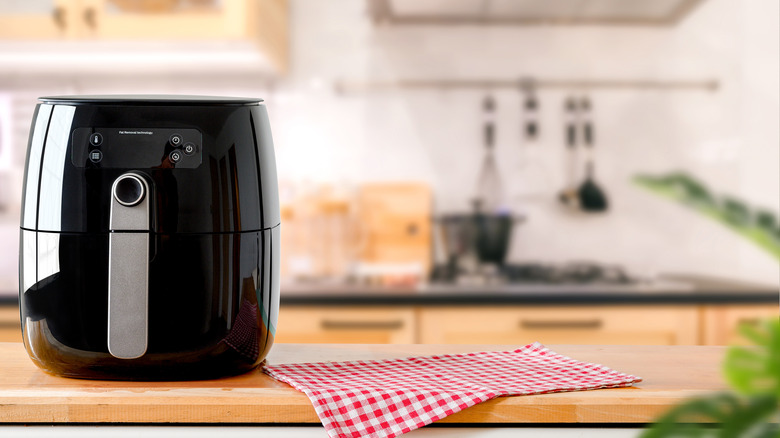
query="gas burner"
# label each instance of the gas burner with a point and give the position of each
(570, 273)
(573, 273)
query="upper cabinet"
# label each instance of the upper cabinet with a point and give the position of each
(28, 19)
(199, 25)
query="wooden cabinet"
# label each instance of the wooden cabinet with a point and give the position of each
(615, 325)
(10, 328)
(33, 19)
(587, 325)
(352, 325)
(259, 22)
(720, 324)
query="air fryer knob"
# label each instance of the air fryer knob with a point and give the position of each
(129, 190)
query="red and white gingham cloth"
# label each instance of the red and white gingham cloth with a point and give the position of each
(385, 398)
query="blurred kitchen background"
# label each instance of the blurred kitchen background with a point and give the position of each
(433, 155)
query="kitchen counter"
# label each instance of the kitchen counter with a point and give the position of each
(669, 311)
(671, 289)
(671, 374)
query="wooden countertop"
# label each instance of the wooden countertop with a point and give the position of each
(671, 374)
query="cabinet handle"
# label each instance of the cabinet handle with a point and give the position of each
(749, 321)
(590, 324)
(361, 325)
(58, 15)
(89, 18)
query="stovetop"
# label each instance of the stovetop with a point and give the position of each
(568, 273)
(571, 275)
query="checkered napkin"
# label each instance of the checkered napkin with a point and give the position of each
(385, 398)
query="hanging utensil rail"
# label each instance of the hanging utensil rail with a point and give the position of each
(347, 86)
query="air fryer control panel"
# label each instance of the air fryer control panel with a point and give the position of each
(137, 148)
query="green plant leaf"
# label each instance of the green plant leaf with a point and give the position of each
(719, 415)
(753, 412)
(694, 418)
(749, 416)
(758, 334)
(755, 370)
(760, 227)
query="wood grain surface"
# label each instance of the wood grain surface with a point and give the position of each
(671, 374)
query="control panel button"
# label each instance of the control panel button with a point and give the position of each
(189, 148)
(96, 139)
(95, 156)
(175, 140)
(175, 156)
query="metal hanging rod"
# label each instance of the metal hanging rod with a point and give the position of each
(345, 86)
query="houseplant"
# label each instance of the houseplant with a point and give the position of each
(752, 407)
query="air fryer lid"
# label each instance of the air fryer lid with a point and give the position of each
(148, 99)
(208, 161)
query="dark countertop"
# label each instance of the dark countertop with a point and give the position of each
(668, 289)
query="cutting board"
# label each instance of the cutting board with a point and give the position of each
(395, 222)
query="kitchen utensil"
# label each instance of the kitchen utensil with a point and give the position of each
(591, 196)
(395, 223)
(490, 189)
(569, 196)
(149, 237)
(530, 114)
(474, 239)
(459, 234)
(494, 235)
(530, 180)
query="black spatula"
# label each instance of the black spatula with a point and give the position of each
(592, 197)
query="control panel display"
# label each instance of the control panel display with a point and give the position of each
(148, 148)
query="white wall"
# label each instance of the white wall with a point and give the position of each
(728, 138)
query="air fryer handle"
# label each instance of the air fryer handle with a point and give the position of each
(128, 267)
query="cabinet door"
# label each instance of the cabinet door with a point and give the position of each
(613, 325)
(224, 25)
(721, 323)
(166, 19)
(37, 19)
(10, 328)
(354, 325)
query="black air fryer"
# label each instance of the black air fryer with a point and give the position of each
(149, 237)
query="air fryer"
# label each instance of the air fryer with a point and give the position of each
(149, 241)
